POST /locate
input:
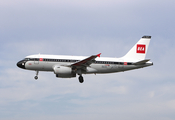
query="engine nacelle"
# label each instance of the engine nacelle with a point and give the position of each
(64, 72)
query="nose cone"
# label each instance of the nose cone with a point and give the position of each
(21, 64)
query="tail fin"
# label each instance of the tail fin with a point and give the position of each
(139, 50)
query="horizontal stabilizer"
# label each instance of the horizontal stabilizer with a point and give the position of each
(141, 62)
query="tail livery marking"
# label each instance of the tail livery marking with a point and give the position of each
(141, 48)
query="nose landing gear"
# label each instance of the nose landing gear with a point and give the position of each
(36, 77)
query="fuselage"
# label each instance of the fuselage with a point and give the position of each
(99, 65)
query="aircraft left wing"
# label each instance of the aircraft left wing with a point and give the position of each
(86, 62)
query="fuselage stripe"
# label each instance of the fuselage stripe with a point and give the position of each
(73, 61)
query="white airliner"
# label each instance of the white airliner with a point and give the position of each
(70, 66)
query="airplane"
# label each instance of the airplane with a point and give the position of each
(70, 66)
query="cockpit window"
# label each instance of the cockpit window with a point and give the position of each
(26, 59)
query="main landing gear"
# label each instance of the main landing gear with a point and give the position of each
(81, 80)
(36, 77)
(79, 72)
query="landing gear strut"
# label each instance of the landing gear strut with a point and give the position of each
(81, 80)
(36, 77)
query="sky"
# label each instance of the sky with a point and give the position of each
(88, 27)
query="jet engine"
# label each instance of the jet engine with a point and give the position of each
(64, 72)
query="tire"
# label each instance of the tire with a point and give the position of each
(36, 77)
(81, 80)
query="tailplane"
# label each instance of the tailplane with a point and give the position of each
(141, 62)
(139, 50)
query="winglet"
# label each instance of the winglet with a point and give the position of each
(98, 55)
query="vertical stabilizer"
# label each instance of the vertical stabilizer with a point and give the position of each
(139, 50)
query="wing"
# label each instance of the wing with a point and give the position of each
(86, 62)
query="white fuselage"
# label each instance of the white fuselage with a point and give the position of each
(100, 65)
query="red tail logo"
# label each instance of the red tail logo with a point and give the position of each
(141, 48)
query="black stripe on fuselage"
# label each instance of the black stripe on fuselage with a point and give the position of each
(68, 60)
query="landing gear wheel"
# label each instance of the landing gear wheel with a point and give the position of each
(36, 77)
(81, 79)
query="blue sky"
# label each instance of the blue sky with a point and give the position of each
(73, 27)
